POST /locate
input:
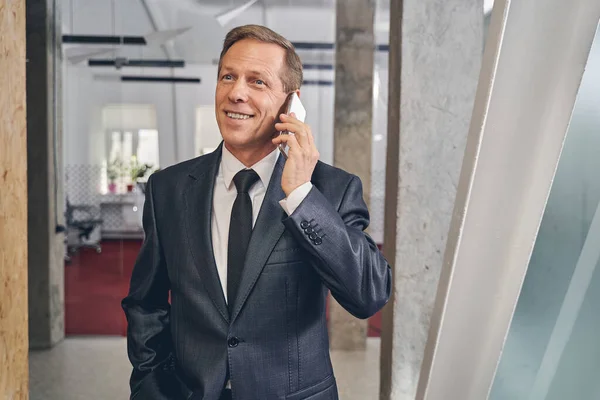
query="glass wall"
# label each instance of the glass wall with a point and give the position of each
(138, 85)
(380, 119)
(553, 347)
(116, 132)
(129, 112)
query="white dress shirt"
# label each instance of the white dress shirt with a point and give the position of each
(224, 196)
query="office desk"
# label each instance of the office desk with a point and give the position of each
(122, 215)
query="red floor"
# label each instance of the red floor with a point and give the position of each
(96, 283)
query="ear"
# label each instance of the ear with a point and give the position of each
(298, 92)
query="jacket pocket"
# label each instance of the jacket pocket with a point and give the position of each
(311, 391)
(163, 383)
(285, 256)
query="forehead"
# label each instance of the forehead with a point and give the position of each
(251, 54)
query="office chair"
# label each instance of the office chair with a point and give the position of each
(84, 219)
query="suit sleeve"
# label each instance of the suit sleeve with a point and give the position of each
(147, 306)
(346, 258)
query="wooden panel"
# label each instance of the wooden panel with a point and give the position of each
(13, 203)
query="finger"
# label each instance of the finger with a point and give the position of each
(290, 140)
(291, 124)
(283, 138)
(288, 119)
(309, 135)
(312, 146)
(309, 144)
(290, 127)
(311, 138)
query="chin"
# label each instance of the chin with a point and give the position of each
(238, 139)
(247, 141)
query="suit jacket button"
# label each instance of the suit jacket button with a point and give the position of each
(304, 224)
(318, 241)
(308, 230)
(233, 342)
(313, 236)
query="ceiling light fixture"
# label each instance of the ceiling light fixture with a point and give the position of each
(225, 17)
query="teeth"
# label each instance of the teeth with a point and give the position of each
(237, 116)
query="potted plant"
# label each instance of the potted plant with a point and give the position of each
(141, 185)
(113, 172)
(137, 171)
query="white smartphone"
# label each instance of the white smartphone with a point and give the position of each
(294, 106)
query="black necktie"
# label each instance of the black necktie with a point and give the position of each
(240, 229)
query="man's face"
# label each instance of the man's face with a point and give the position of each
(250, 94)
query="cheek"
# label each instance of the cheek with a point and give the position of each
(219, 95)
(271, 107)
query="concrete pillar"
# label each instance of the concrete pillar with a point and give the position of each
(435, 55)
(353, 115)
(44, 173)
(13, 203)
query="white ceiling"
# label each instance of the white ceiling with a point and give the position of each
(298, 20)
(277, 3)
(268, 3)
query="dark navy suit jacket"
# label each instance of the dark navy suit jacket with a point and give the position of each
(275, 342)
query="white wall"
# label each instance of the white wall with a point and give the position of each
(87, 94)
(88, 90)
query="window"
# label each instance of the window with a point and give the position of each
(142, 144)
(130, 153)
(208, 135)
(131, 146)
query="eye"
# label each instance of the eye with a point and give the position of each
(260, 82)
(227, 77)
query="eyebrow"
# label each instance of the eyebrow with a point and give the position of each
(251, 72)
(261, 73)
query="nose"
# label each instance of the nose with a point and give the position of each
(239, 92)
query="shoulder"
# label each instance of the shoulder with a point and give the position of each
(176, 171)
(330, 179)
(172, 177)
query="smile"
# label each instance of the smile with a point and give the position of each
(238, 115)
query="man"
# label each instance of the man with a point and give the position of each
(248, 244)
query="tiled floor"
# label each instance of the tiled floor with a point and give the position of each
(98, 368)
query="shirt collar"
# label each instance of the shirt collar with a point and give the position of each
(230, 166)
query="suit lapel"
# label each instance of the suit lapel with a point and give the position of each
(198, 202)
(267, 231)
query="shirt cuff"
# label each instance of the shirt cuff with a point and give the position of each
(292, 202)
